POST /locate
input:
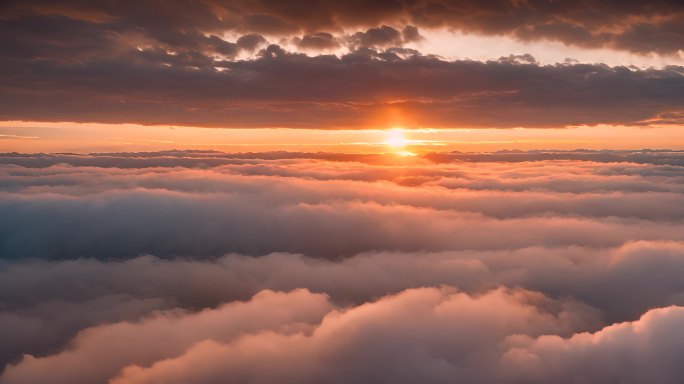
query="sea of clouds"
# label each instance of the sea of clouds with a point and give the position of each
(206, 267)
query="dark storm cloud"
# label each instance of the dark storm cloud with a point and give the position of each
(361, 89)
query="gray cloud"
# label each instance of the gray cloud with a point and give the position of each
(251, 42)
(382, 36)
(113, 63)
(638, 26)
(352, 91)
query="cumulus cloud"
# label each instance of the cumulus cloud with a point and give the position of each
(47, 299)
(321, 342)
(503, 336)
(100, 355)
(410, 34)
(377, 37)
(629, 353)
(46, 324)
(636, 352)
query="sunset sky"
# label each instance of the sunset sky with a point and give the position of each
(318, 191)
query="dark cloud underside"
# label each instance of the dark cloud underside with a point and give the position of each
(170, 63)
(640, 26)
(361, 89)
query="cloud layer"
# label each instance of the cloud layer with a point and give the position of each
(651, 26)
(365, 88)
(203, 266)
(241, 64)
(256, 207)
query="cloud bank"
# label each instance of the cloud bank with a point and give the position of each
(365, 88)
(328, 64)
(202, 266)
(638, 26)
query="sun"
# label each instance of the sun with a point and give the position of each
(396, 139)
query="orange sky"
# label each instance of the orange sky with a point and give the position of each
(91, 137)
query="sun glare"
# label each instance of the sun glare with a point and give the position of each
(396, 138)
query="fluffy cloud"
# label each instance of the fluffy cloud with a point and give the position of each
(428, 334)
(48, 299)
(101, 353)
(506, 267)
(426, 350)
(306, 340)
(637, 352)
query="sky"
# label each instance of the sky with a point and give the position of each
(317, 191)
(327, 65)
